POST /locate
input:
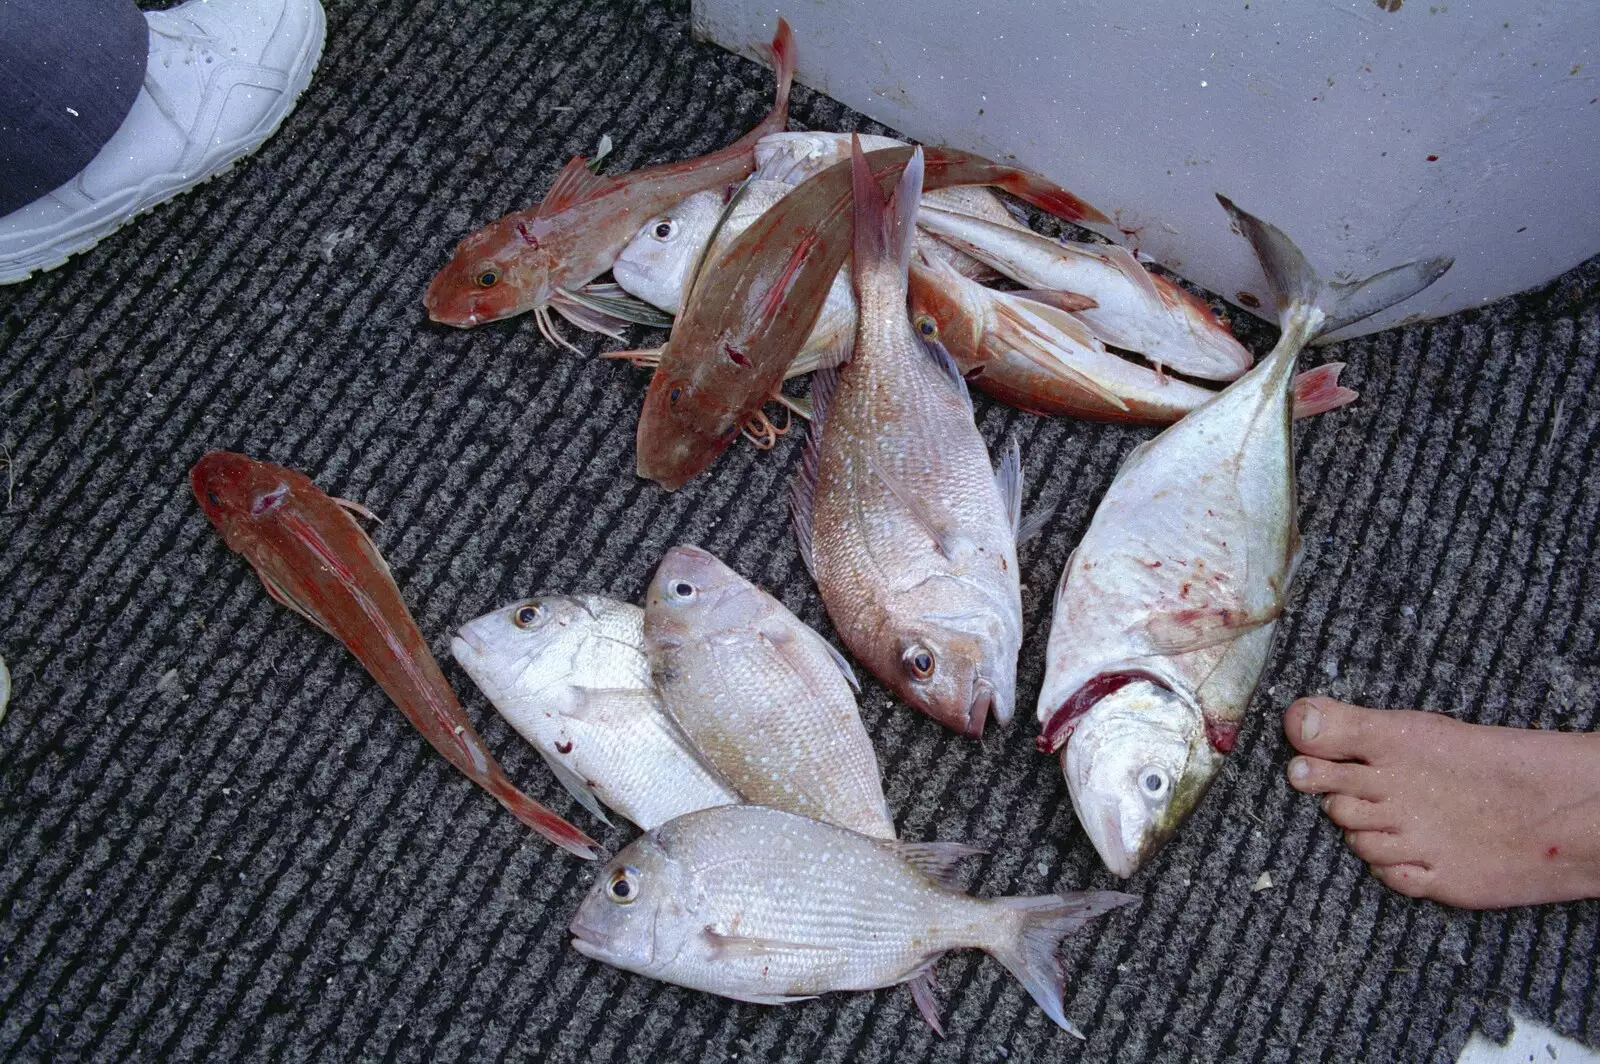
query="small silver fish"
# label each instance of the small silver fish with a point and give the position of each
(5, 688)
(761, 695)
(1165, 611)
(765, 906)
(569, 673)
(907, 529)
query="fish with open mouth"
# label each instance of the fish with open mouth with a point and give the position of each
(765, 906)
(313, 558)
(1165, 611)
(764, 697)
(540, 259)
(745, 320)
(570, 674)
(908, 530)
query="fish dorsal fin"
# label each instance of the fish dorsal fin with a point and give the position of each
(1008, 477)
(730, 947)
(936, 860)
(802, 493)
(946, 539)
(574, 184)
(1186, 631)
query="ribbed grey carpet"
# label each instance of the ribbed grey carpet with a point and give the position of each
(220, 841)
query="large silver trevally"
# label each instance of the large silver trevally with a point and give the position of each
(569, 673)
(765, 906)
(1165, 611)
(909, 532)
(765, 698)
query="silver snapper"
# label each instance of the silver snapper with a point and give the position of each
(1165, 611)
(765, 906)
(767, 700)
(908, 530)
(569, 673)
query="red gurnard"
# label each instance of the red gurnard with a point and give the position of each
(748, 317)
(540, 258)
(315, 559)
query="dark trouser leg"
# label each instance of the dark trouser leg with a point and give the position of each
(69, 73)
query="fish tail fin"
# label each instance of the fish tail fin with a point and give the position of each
(1042, 922)
(545, 822)
(782, 52)
(1296, 283)
(886, 229)
(1318, 391)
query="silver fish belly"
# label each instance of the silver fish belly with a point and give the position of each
(569, 673)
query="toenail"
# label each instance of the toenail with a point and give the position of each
(1310, 725)
(1299, 768)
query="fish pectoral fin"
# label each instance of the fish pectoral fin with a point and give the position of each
(644, 357)
(361, 511)
(731, 947)
(607, 705)
(1134, 270)
(948, 540)
(580, 789)
(936, 860)
(586, 315)
(844, 666)
(1019, 331)
(575, 183)
(277, 591)
(1187, 631)
(1062, 300)
(616, 302)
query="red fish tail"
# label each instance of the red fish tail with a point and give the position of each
(541, 819)
(782, 50)
(885, 228)
(1049, 196)
(1318, 391)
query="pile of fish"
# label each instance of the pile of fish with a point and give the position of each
(716, 720)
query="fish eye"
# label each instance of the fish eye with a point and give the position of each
(927, 326)
(1154, 782)
(681, 591)
(487, 279)
(527, 615)
(212, 497)
(664, 229)
(674, 395)
(623, 886)
(918, 661)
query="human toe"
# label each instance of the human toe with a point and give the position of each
(1412, 880)
(1336, 731)
(1357, 814)
(1312, 775)
(1382, 848)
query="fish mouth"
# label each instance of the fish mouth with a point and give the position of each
(983, 700)
(1114, 853)
(469, 641)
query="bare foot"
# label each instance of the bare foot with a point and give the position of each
(1464, 814)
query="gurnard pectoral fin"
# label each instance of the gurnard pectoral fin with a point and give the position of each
(1318, 391)
(1295, 282)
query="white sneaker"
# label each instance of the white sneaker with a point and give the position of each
(221, 77)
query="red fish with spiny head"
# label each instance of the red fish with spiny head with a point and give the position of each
(315, 559)
(539, 259)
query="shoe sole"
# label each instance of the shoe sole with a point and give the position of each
(163, 187)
